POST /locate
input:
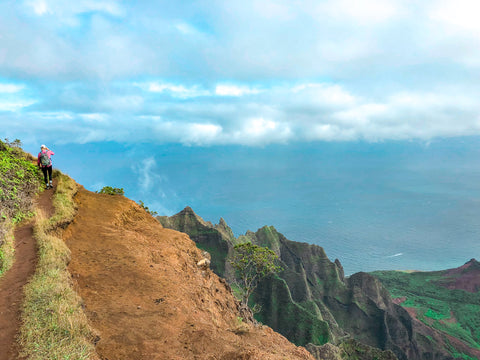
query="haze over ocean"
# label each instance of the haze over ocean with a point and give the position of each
(389, 205)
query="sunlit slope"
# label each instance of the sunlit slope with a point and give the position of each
(146, 296)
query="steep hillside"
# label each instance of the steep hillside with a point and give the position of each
(18, 185)
(146, 296)
(448, 302)
(311, 302)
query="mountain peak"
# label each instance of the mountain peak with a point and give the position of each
(472, 262)
(188, 210)
(465, 277)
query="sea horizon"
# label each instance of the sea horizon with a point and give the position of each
(397, 205)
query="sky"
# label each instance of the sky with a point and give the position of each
(249, 73)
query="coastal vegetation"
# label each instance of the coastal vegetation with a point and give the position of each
(252, 263)
(151, 212)
(109, 190)
(19, 183)
(437, 303)
(313, 304)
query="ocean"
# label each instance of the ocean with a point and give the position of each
(397, 205)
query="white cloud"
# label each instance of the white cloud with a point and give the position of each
(59, 116)
(71, 9)
(462, 14)
(145, 171)
(310, 111)
(260, 72)
(366, 12)
(333, 95)
(40, 7)
(149, 177)
(93, 117)
(259, 127)
(200, 134)
(361, 114)
(11, 88)
(234, 90)
(179, 91)
(188, 29)
(326, 132)
(272, 9)
(13, 106)
(259, 131)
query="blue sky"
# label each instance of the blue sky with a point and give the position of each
(253, 73)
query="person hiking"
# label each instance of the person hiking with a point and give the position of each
(44, 162)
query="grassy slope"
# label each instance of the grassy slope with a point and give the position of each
(54, 324)
(453, 312)
(19, 183)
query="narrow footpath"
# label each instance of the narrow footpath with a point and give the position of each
(12, 283)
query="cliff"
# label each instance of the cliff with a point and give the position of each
(444, 305)
(312, 303)
(147, 296)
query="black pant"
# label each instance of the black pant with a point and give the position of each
(47, 170)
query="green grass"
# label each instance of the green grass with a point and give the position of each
(54, 325)
(453, 312)
(7, 250)
(19, 183)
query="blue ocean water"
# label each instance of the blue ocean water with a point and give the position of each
(391, 205)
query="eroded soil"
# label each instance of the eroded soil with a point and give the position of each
(145, 295)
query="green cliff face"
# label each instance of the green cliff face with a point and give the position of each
(445, 305)
(215, 240)
(311, 302)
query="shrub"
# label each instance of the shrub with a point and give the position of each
(151, 212)
(111, 191)
(19, 182)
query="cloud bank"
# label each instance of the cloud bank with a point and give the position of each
(239, 72)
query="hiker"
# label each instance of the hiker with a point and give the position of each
(45, 163)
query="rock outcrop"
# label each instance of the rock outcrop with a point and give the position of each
(311, 301)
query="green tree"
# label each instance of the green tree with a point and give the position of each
(252, 263)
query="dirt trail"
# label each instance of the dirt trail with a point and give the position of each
(11, 284)
(147, 298)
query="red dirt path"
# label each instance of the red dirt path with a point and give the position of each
(11, 284)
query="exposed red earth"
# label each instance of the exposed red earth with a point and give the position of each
(146, 297)
(465, 277)
(12, 283)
